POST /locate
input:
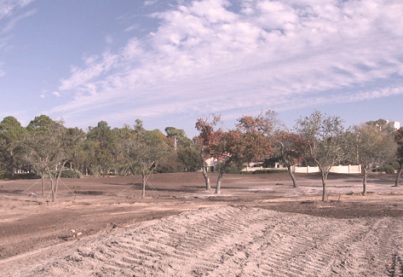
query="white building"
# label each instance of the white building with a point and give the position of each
(396, 124)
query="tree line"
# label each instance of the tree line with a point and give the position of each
(49, 150)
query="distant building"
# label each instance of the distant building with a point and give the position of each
(394, 124)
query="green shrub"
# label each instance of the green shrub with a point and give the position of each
(265, 171)
(71, 173)
(22, 176)
(387, 168)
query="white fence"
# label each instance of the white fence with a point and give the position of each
(334, 169)
(347, 169)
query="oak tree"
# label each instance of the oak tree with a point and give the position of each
(292, 148)
(324, 136)
(11, 137)
(373, 146)
(45, 150)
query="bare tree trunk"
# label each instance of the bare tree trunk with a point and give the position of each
(206, 178)
(288, 164)
(221, 170)
(43, 183)
(144, 182)
(324, 191)
(59, 175)
(204, 170)
(399, 173)
(294, 181)
(219, 180)
(364, 180)
(52, 189)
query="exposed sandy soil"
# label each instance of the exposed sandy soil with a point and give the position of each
(258, 226)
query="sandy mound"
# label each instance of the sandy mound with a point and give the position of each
(228, 241)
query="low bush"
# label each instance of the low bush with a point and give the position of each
(265, 171)
(21, 176)
(387, 168)
(71, 173)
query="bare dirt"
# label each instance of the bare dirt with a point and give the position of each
(258, 226)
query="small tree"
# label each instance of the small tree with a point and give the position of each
(45, 150)
(399, 154)
(243, 144)
(75, 141)
(101, 144)
(141, 151)
(324, 136)
(373, 146)
(292, 148)
(226, 147)
(206, 127)
(256, 145)
(184, 153)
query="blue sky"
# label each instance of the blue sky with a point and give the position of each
(169, 62)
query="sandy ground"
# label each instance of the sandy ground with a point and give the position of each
(258, 226)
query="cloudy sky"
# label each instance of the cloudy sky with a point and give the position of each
(169, 62)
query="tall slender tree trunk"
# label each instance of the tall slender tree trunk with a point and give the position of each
(43, 183)
(144, 182)
(399, 173)
(324, 189)
(52, 188)
(204, 170)
(364, 180)
(221, 171)
(294, 181)
(219, 181)
(288, 164)
(59, 175)
(206, 178)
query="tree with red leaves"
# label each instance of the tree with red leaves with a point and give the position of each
(203, 141)
(243, 144)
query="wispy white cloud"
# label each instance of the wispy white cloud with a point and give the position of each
(212, 56)
(10, 14)
(2, 72)
(56, 93)
(12, 22)
(8, 7)
(149, 2)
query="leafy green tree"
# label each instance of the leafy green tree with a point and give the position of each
(11, 136)
(45, 150)
(101, 145)
(189, 158)
(74, 142)
(372, 147)
(184, 150)
(141, 151)
(324, 136)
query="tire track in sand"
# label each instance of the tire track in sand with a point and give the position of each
(230, 241)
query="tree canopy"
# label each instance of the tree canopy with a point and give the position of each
(46, 147)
